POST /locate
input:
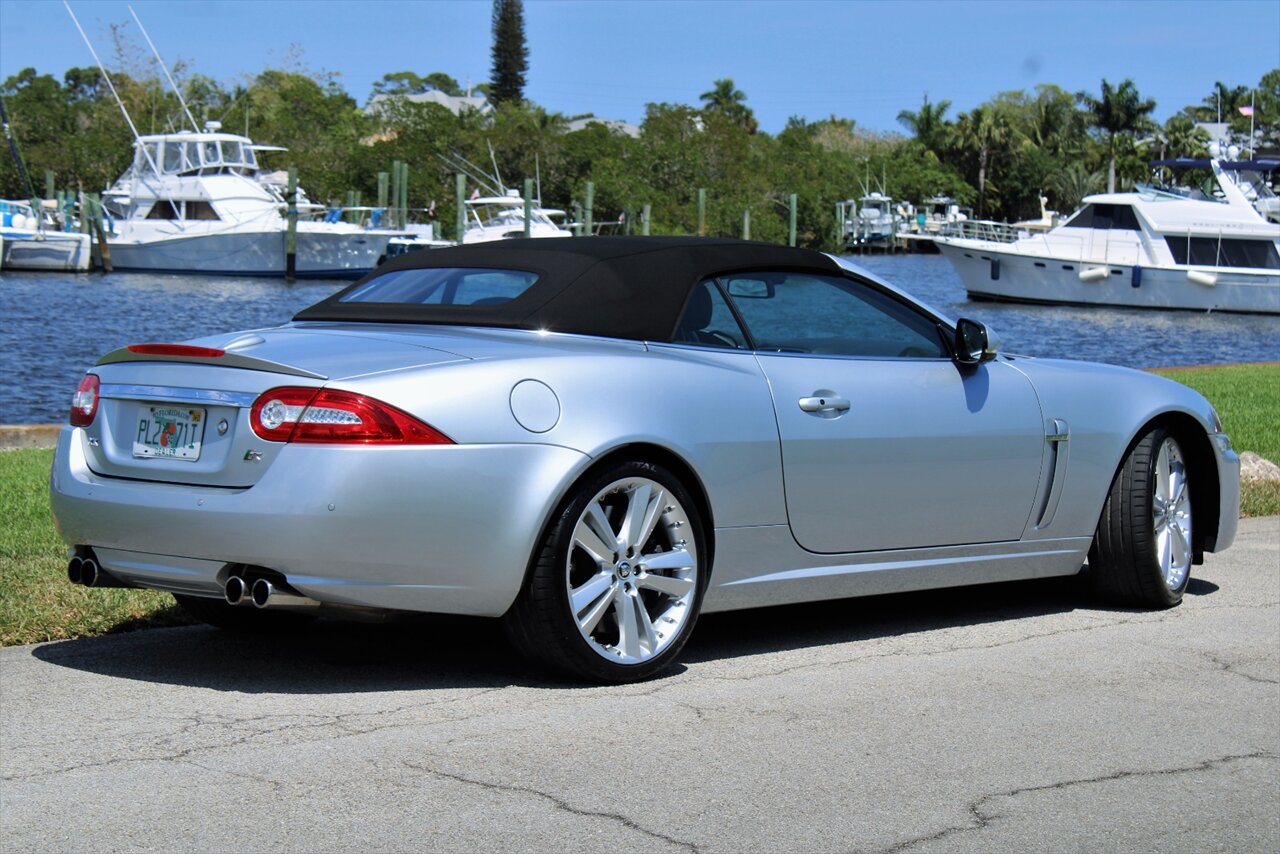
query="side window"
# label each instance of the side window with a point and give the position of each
(708, 320)
(831, 316)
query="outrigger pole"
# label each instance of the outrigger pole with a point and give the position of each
(112, 87)
(165, 69)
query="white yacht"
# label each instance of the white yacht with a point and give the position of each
(33, 240)
(502, 217)
(1155, 247)
(196, 202)
(871, 221)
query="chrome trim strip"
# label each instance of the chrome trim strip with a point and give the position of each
(115, 391)
(853, 569)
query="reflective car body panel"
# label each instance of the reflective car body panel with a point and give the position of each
(937, 474)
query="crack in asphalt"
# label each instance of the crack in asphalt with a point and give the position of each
(557, 802)
(982, 818)
(341, 721)
(1232, 668)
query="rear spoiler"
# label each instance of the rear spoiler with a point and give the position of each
(201, 356)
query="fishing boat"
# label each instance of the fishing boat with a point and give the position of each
(33, 240)
(197, 202)
(502, 217)
(1211, 249)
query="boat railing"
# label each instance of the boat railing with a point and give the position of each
(980, 229)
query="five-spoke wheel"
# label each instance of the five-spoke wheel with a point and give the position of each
(615, 589)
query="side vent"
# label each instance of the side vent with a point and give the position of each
(1057, 435)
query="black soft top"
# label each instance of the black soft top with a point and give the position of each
(618, 287)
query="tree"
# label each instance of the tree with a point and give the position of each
(982, 131)
(1121, 114)
(1182, 138)
(929, 126)
(726, 100)
(1073, 183)
(510, 55)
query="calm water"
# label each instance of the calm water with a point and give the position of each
(54, 326)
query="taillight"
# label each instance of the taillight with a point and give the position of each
(330, 416)
(84, 403)
(175, 350)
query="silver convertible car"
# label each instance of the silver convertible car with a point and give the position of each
(597, 439)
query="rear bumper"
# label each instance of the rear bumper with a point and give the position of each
(445, 529)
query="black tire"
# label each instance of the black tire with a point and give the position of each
(238, 618)
(542, 623)
(1126, 563)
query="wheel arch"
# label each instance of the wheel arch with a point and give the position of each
(1206, 492)
(642, 452)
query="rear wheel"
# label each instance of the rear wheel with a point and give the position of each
(217, 612)
(1142, 552)
(616, 586)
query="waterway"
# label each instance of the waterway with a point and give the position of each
(53, 327)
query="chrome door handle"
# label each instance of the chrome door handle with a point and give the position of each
(823, 404)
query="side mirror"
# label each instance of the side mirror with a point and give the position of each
(975, 343)
(751, 289)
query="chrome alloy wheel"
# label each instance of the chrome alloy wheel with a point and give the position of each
(632, 570)
(1171, 512)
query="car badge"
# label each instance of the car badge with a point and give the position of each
(252, 456)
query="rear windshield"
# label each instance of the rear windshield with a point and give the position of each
(444, 286)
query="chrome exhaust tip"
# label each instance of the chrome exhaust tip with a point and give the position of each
(75, 570)
(267, 595)
(89, 573)
(236, 591)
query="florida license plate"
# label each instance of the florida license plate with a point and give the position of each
(169, 431)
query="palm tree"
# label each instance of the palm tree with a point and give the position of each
(1182, 138)
(1073, 183)
(729, 102)
(929, 126)
(982, 131)
(1119, 113)
(1223, 102)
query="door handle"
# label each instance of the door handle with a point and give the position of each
(824, 404)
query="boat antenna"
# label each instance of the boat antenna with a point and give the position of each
(112, 87)
(17, 155)
(496, 173)
(537, 172)
(165, 69)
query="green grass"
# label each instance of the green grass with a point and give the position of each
(38, 604)
(1248, 399)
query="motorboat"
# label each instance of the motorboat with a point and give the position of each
(503, 217)
(197, 202)
(32, 239)
(870, 221)
(1208, 249)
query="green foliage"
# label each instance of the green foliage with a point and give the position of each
(510, 54)
(37, 603)
(1003, 155)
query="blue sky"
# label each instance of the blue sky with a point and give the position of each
(860, 60)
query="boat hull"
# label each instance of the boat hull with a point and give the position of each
(990, 273)
(51, 250)
(320, 253)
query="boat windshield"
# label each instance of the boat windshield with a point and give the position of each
(176, 156)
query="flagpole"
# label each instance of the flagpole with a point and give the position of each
(1252, 109)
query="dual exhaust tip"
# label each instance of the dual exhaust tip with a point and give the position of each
(262, 593)
(83, 569)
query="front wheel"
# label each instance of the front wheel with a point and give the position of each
(616, 585)
(1143, 550)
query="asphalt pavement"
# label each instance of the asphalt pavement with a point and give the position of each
(1010, 717)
